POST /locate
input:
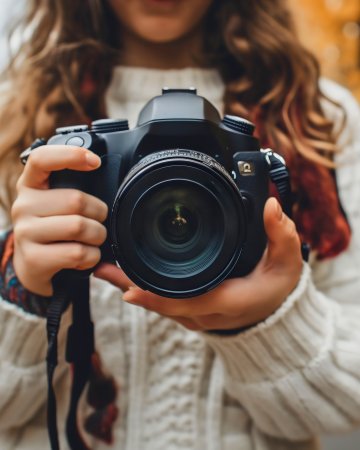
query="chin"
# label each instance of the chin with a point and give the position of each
(160, 31)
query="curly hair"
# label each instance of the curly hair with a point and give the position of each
(270, 79)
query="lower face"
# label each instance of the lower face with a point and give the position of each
(160, 21)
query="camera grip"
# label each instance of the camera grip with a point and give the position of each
(252, 179)
(70, 179)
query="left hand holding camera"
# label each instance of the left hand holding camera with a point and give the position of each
(237, 302)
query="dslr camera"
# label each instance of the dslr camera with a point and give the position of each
(185, 190)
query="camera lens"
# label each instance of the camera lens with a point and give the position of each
(177, 225)
(173, 228)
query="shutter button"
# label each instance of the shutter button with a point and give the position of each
(77, 141)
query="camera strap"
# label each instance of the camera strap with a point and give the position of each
(279, 175)
(80, 342)
(79, 350)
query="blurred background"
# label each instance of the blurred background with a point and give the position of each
(329, 28)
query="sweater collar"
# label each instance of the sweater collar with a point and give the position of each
(137, 85)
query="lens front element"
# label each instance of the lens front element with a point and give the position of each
(174, 230)
(177, 224)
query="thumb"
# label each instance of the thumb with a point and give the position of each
(116, 276)
(283, 240)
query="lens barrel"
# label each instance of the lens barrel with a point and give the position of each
(178, 223)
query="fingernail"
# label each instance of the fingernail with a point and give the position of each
(92, 159)
(129, 296)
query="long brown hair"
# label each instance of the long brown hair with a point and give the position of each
(270, 79)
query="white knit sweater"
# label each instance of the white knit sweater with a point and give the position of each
(275, 386)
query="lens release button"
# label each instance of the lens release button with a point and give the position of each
(109, 125)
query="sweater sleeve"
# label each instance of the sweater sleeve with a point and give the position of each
(23, 381)
(23, 345)
(11, 288)
(298, 372)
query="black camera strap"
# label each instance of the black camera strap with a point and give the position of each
(57, 306)
(80, 342)
(279, 175)
(79, 350)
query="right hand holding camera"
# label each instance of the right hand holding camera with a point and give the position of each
(55, 229)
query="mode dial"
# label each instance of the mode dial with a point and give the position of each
(72, 129)
(109, 125)
(239, 124)
(190, 90)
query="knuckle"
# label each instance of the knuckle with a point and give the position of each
(77, 227)
(16, 210)
(35, 158)
(95, 256)
(103, 211)
(85, 257)
(102, 234)
(92, 258)
(20, 230)
(77, 202)
(78, 254)
(99, 207)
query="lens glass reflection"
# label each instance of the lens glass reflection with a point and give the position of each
(178, 228)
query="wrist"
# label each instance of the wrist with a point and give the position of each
(12, 289)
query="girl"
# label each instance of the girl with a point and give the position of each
(290, 367)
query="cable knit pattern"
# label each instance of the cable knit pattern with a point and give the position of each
(175, 391)
(132, 88)
(273, 387)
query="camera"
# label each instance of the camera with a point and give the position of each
(185, 190)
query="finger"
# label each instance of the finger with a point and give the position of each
(48, 158)
(209, 323)
(187, 323)
(61, 228)
(283, 240)
(209, 303)
(218, 322)
(51, 258)
(236, 298)
(192, 322)
(114, 275)
(57, 202)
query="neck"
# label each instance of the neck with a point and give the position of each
(178, 54)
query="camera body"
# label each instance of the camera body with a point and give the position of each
(185, 190)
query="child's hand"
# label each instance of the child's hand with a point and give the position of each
(55, 229)
(237, 302)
